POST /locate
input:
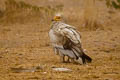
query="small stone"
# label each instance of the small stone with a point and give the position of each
(44, 72)
(61, 69)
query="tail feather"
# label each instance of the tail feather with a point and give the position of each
(80, 53)
(86, 58)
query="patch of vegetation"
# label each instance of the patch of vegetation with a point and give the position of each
(22, 12)
(113, 3)
(91, 21)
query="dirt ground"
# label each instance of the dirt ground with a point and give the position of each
(26, 46)
(26, 54)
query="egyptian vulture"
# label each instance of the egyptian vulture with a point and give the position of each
(65, 40)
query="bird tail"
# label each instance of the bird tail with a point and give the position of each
(81, 54)
(86, 58)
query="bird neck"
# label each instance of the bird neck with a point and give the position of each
(55, 23)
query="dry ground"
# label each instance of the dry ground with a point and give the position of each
(26, 46)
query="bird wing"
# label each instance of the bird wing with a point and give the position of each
(72, 39)
(70, 33)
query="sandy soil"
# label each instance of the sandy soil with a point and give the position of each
(25, 47)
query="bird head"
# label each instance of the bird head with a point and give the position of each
(57, 17)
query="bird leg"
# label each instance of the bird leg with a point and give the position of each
(62, 58)
(68, 59)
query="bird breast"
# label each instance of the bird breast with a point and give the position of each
(56, 38)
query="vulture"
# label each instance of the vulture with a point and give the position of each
(66, 41)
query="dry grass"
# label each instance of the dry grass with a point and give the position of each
(91, 15)
(24, 42)
(21, 12)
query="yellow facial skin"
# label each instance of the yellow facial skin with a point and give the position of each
(57, 18)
